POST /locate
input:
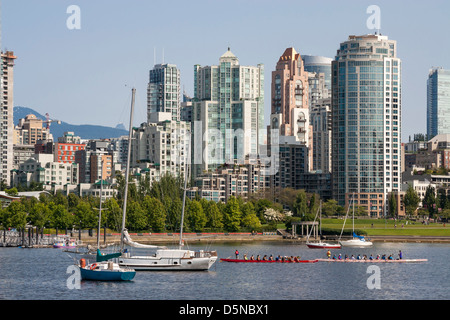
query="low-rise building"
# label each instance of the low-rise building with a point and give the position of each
(237, 180)
(42, 169)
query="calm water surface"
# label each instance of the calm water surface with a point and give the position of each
(41, 274)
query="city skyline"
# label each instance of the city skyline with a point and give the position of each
(93, 69)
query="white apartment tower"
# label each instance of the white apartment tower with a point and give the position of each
(163, 91)
(227, 113)
(7, 123)
(161, 143)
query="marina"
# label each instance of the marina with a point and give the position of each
(26, 276)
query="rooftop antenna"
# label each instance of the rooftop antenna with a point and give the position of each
(163, 56)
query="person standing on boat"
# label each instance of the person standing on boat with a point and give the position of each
(237, 254)
(400, 255)
(328, 254)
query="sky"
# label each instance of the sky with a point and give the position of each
(85, 75)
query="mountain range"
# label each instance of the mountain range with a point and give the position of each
(84, 131)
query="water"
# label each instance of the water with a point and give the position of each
(41, 274)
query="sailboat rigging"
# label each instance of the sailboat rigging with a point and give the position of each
(356, 241)
(320, 244)
(163, 258)
(105, 269)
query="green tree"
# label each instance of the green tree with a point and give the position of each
(214, 216)
(39, 215)
(249, 218)
(167, 186)
(136, 218)
(196, 216)
(360, 211)
(156, 213)
(60, 198)
(330, 207)
(260, 207)
(72, 201)
(174, 214)
(14, 216)
(113, 214)
(247, 209)
(286, 197)
(392, 205)
(18, 214)
(411, 200)
(442, 201)
(429, 200)
(12, 192)
(314, 202)
(251, 221)
(300, 207)
(232, 215)
(61, 218)
(85, 213)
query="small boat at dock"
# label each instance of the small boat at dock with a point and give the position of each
(65, 243)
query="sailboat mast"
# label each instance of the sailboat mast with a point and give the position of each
(187, 158)
(320, 218)
(353, 202)
(130, 133)
(100, 210)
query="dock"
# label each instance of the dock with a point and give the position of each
(26, 239)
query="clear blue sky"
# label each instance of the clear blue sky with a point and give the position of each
(85, 76)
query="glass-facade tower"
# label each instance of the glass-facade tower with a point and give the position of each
(163, 91)
(228, 107)
(366, 127)
(318, 64)
(438, 102)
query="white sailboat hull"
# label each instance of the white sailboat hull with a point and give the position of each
(170, 260)
(356, 243)
(323, 245)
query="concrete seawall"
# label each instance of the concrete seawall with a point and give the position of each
(240, 237)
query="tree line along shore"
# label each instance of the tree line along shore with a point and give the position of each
(157, 210)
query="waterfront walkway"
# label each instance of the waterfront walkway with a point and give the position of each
(147, 238)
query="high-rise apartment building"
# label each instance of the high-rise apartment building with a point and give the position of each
(366, 122)
(7, 108)
(318, 64)
(290, 96)
(30, 130)
(161, 143)
(290, 118)
(438, 102)
(227, 112)
(95, 161)
(321, 123)
(163, 91)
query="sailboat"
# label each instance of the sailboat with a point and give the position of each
(104, 268)
(356, 241)
(320, 244)
(164, 258)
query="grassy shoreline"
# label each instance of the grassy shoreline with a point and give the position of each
(383, 227)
